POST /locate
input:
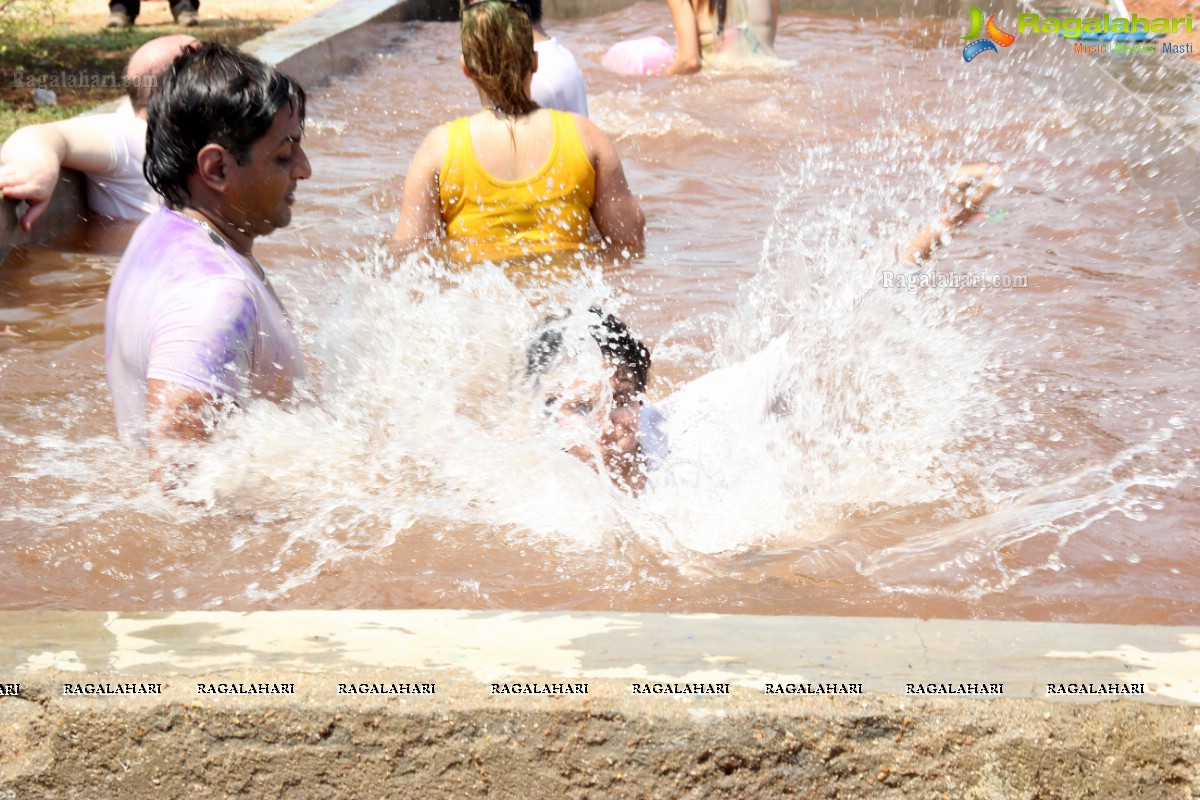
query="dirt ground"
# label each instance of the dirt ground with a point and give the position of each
(80, 45)
(606, 745)
(87, 15)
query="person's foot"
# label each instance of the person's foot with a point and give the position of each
(969, 188)
(188, 19)
(117, 18)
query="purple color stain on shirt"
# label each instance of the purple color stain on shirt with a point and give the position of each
(187, 310)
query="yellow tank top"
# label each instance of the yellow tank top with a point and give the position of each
(490, 219)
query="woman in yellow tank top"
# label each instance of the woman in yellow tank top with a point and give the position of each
(514, 179)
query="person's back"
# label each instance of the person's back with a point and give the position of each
(558, 82)
(508, 192)
(515, 179)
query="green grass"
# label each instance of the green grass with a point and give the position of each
(103, 53)
(11, 119)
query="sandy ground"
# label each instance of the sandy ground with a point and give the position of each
(92, 14)
(461, 743)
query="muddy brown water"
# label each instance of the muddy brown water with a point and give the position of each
(1025, 449)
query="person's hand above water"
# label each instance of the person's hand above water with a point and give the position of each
(965, 193)
(967, 190)
(32, 180)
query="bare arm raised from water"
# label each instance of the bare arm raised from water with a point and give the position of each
(421, 211)
(965, 194)
(615, 210)
(33, 157)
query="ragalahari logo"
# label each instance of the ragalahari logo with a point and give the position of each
(979, 44)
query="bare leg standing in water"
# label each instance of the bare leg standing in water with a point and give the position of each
(734, 28)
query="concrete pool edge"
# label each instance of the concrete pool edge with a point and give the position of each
(671, 737)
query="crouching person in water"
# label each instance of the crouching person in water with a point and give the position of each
(192, 322)
(590, 372)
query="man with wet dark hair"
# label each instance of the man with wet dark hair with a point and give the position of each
(617, 344)
(212, 95)
(193, 325)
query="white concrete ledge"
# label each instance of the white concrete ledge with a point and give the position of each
(532, 705)
(883, 656)
(332, 41)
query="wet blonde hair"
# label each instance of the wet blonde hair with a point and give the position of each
(497, 46)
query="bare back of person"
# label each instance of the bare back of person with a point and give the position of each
(513, 148)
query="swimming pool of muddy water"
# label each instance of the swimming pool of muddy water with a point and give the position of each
(1021, 446)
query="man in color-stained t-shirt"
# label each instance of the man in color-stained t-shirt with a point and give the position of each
(193, 324)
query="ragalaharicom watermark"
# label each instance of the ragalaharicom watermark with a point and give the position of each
(80, 80)
(912, 281)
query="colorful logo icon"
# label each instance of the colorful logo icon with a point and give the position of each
(994, 36)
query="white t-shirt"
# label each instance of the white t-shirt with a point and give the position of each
(121, 191)
(558, 83)
(186, 309)
(652, 437)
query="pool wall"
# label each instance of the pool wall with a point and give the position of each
(619, 713)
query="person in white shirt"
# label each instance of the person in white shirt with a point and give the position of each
(108, 148)
(558, 82)
(590, 373)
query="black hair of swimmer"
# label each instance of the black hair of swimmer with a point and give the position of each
(211, 94)
(535, 10)
(617, 345)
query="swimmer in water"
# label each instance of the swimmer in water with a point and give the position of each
(514, 179)
(193, 325)
(705, 29)
(107, 148)
(591, 373)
